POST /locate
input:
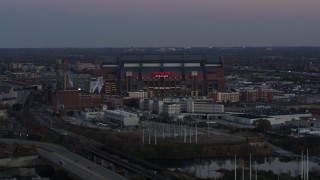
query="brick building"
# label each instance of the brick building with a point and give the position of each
(69, 100)
(254, 95)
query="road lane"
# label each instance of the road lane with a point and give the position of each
(74, 163)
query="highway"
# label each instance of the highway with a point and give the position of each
(147, 173)
(73, 163)
(84, 145)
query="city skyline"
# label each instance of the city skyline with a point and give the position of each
(142, 23)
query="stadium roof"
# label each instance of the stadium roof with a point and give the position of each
(167, 58)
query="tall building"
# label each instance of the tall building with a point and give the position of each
(61, 74)
(164, 75)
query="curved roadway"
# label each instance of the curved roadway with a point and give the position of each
(73, 163)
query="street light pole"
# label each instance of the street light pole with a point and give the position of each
(196, 134)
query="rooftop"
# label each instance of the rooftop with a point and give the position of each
(250, 116)
(175, 58)
(122, 113)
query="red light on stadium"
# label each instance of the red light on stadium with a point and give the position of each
(161, 73)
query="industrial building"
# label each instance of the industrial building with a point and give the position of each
(204, 107)
(248, 119)
(69, 100)
(64, 97)
(165, 75)
(254, 95)
(121, 118)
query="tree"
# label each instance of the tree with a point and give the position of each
(131, 103)
(285, 130)
(262, 124)
(164, 117)
(17, 107)
(188, 119)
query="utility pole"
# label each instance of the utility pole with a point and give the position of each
(190, 134)
(305, 169)
(255, 165)
(163, 131)
(174, 131)
(196, 134)
(143, 136)
(302, 165)
(307, 165)
(185, 134)
(250, 166)
(235, 167)
(208, 127)
(155, 136)
(180, 124)
(242, 169)
(149, 135)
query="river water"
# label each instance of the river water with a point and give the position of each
(207, 168)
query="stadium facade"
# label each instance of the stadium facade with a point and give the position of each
(175, 75)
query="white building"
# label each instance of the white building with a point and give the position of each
(227, 96)
(90, 114)
(203, 107)
(172, 109)
(84, 66)
(7, 95)
(139, 94)
(3, 114)
(247, 119)
(121, 118)
(171, 100)
(280, 119)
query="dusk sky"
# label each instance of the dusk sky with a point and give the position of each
(158, 23)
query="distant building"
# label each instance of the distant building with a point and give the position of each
(28, 67)
(158, 106)
(14, 66)
(256, 95)
(7, 95)
(114, 102)
(61, 74)
(121, 118)
(282, 96)
(146, 104)
(172, 109)
(140, 94)
(70, 100)
(203, 106)
(308, 99)
(90, 114)
(248, 119)
(166, 75)
(226, 96)
(3, 114)
(84, 66)
(80, 81)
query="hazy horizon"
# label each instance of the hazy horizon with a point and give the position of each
(165, 23)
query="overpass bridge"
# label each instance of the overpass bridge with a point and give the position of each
(73, 163)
